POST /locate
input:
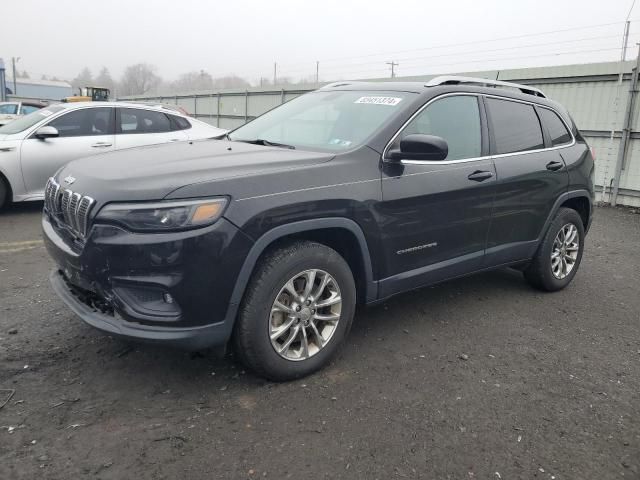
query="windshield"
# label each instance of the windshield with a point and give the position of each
(28, 121)
(8, 108)
(327, 121)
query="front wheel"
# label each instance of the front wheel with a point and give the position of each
(297, 310)
(558, 257)
(4, 193)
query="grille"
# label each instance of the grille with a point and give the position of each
(69, 207)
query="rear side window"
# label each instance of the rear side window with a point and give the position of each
(555, 126)
(515, 126)
(179, 123)
(457, 120)
(134, 120)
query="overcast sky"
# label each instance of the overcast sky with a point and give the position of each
(350, 38)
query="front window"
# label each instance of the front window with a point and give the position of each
(457, 120)
(85, 122)
(28, 121)
(9, 108)
(325, 121)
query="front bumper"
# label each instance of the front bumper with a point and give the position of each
(172, 288)
(195, 338)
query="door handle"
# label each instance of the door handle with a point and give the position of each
(174, 140)
(553, 166)
(101, 145)
(480, 175)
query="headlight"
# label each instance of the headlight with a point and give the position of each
(161, 216)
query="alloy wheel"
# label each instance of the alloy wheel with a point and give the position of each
(305, 315)
(564, 252)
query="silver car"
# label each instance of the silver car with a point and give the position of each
(34, 147)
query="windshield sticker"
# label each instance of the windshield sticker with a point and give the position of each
(45, 113)
(390, 101)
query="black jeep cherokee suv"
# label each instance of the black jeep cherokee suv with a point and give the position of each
(269, 237)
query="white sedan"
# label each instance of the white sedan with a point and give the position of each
(34, 147)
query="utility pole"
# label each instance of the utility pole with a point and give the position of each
(317, 72)
(393, 65)
(626, 130)
(3, 89)
(275, 73)
(14, 60)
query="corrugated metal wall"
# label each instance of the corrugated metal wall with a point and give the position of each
(592, 93)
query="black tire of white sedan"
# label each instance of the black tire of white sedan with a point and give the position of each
(558, 257)
(297, 310)
(4, 193)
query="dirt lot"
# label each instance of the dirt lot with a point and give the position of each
(478, 378)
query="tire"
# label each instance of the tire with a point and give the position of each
(544, 273)
(4, 193)
(259, 318)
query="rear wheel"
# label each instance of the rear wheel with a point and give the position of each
(559, 254)
(297, 310)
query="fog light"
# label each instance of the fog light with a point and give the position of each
(167, 298)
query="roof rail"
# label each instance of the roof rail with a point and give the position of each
(484, 82)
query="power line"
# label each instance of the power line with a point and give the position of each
(475, 42)
(575, 52)
(333, 67)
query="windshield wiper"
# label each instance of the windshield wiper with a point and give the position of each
(267, 143)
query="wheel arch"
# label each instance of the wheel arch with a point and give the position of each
(574, 199)
(9, 193)
(341, 234)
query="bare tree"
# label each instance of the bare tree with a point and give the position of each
(84, 78)
(230, 81)
(139, 79)
(104, 79)
(192, 81)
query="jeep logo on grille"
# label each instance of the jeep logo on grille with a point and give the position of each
(69, 179)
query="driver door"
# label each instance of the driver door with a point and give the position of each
(436, 214)
(82, 133)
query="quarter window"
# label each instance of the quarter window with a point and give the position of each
(134, 120)
(84, 122)
(179, 123)
(457, 120)
(516, 127)
(556, 127)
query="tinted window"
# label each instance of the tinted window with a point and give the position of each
(556, 127)
(457, 120)
(133, 120)
(515, 126)
(84, 122)
(179, 123)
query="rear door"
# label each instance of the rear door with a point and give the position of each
(531, 175)
(82, 133)
(435, 215)
(136, 127)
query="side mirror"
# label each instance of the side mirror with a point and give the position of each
(417, 146)
(46, 132)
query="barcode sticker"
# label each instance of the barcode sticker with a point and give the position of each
(390, 101)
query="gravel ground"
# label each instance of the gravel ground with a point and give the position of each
(477, 378)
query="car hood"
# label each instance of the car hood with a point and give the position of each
(153, 172)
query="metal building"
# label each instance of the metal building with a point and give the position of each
(598, 95)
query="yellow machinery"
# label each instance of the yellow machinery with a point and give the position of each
(90, 94)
